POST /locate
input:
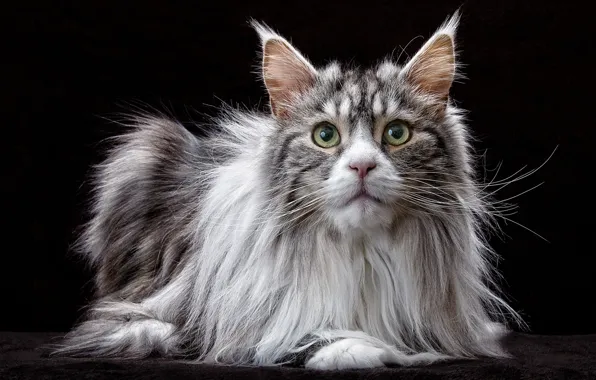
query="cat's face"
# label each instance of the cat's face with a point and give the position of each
(359, 148)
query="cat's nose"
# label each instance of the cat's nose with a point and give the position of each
(363, 167)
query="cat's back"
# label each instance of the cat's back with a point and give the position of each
(152, 191)
(145, 194)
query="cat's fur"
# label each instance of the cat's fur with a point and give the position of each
(239, 247)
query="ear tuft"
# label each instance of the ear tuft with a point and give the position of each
(265, 32)
(449, 27)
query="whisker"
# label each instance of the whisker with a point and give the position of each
(520, 194)
(524, 227)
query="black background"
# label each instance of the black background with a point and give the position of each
(67, 65)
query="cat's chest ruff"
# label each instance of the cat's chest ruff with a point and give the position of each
(367, 246)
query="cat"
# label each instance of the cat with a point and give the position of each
(344, 228)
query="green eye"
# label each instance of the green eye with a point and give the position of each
(396, 133)
(326, 135)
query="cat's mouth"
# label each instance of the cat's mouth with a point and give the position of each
(363, 196)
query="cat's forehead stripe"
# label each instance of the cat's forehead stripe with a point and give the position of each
(377, 105)
(391, 106)
(344, 107)
(354, 91)
(330, 109)
(371, 89)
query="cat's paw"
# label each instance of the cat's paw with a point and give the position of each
(348, 353)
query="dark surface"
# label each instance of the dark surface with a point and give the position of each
(534, 357)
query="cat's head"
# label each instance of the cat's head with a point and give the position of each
(360, 147)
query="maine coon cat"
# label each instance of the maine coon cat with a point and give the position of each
(343, 229)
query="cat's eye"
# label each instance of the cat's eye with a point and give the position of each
(326, 135)
(396, 133)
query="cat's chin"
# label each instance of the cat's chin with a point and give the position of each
(362, 213)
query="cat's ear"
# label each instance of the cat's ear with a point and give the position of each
(286, 72)
(433, 68)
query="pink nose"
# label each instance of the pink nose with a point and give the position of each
(363, 167)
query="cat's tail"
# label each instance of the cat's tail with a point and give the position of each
(119, 329)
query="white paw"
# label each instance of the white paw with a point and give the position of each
(348, 353)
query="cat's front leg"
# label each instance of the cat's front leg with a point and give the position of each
(362, 352)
